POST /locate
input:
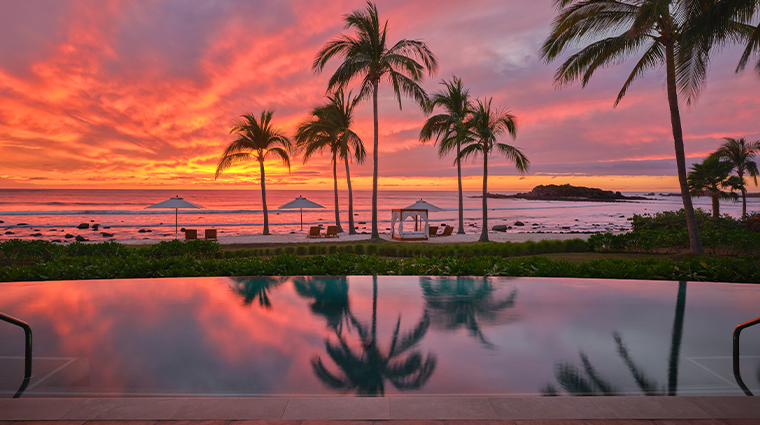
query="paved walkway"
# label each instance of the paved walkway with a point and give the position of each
(412, 410)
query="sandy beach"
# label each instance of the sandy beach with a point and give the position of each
(300, 238)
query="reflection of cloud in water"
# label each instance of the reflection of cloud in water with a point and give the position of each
(454, 303)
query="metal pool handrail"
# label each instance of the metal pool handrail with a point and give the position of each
(737, 374)
(28, 350)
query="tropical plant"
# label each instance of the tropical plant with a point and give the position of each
(667, 32)
(709, 178)
(449, 128)
(717, 22)
(366, 56)
(740, 155)
(256, 139)
(367, 371)
(329, 126)
(483, 129)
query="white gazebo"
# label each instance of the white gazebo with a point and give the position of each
(420, 232)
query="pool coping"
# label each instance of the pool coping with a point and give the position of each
(382, 409)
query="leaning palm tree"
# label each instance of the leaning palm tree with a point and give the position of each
(665, 30)
(740, 155)
(709, 178)
(366, 56)
(329, 127)
(256, 139)
(483, 129)
(449, 127)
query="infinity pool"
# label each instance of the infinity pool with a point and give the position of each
(363, 335)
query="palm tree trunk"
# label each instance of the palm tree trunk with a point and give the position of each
(715, 206)
(744, 193)
(461, 202)
(675, 342)
(264, 198)
(335, 189)
(375, 233)
(484, 231)
(352, 229)
(675, 120)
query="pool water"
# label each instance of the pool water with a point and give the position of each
(364, 335)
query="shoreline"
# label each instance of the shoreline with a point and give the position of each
(301, 238)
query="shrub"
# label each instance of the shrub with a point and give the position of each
(301, 250)
(676, 220)
(313, 249)
(359, 249)
(752, 222)
(290, 250)
(372, 249)
(332, 249)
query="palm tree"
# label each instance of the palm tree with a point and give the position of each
(668, 33)
(709, 177)
(740, 155)
(367, 371)
(485, 126)
(716, 22)
(330, 127)
(256, 139)
(366, 56)
(449, 127)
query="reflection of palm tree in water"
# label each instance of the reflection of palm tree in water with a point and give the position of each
(464, 302)
(572, 378)
(367, 370)
(251, 288)
(329, 299)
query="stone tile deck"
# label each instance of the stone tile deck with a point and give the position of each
(384, 411)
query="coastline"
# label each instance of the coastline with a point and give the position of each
(300, 238)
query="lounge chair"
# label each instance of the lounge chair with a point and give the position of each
(191, 235)
(314, 232)
(446, 231)
(433, 231)
(210, 234)
(332, 232)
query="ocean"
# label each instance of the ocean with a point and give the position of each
(52, 213)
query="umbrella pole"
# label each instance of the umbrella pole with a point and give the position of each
(176, 219)
(301, 218)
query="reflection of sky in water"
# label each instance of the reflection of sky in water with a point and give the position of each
(293, 336)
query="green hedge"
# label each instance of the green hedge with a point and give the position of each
(721, 242)
(676, 220)
(694, 269)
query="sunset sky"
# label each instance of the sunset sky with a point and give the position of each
(140, 94)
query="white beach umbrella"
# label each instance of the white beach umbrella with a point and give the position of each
(300, 203)
(175, 203)
(423, 205)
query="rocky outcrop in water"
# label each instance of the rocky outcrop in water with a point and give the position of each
(566, 192)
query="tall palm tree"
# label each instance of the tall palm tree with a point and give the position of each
(740, 155)
(329, 126)
(483, 129)
(715, 23)
(664, 29)
(256, 139)
(449, 127)
(709, 178)
(366, 56)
